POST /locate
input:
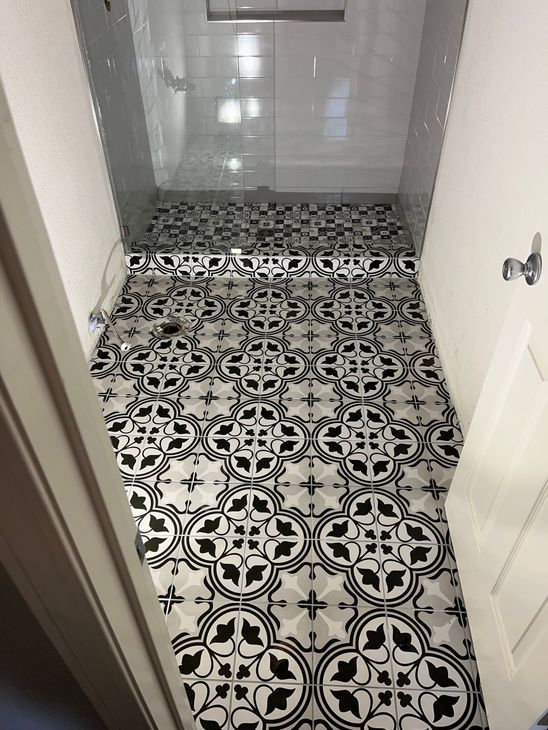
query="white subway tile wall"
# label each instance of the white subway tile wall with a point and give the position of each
(324, 106)
(443, 25)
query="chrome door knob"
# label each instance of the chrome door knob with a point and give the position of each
(531, 269)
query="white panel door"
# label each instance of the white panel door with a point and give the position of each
(498, 515)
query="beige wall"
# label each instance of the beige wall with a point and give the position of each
(44, 80)
(486, 159)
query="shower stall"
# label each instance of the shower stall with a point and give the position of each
(209, 107)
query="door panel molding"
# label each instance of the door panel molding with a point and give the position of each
(497, 511)
(509, 565)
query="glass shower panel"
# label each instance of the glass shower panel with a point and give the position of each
(188, 71)
(106, 39)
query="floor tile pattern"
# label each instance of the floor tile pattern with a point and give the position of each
(287, 464)
(269, 240)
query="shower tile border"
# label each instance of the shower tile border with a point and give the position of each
(272, 267)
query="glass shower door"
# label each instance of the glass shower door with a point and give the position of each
(188, 72)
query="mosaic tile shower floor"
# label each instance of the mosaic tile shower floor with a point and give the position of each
(287, 463)
(274, 228)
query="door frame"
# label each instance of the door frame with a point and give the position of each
(66, 530)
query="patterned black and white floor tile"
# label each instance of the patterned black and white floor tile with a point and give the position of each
(287, 464)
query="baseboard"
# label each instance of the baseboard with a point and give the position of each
(438, 330)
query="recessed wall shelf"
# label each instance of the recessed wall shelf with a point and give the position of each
(248, 14)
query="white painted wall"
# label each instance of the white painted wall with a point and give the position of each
(474, 223)
(44, 80)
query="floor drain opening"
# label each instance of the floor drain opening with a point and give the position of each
(171, 327)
